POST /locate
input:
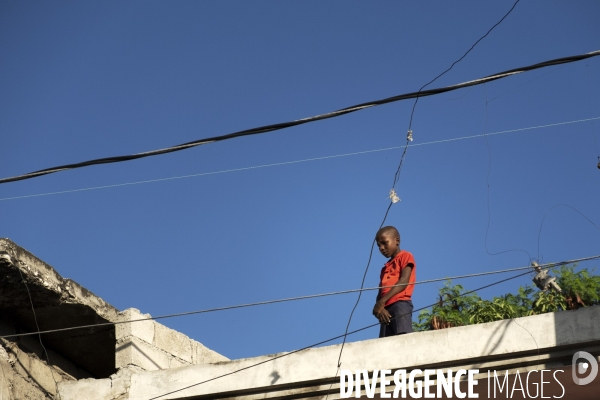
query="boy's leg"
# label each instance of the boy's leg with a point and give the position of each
(401, 323)
(385, 330)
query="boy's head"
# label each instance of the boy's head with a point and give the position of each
(388, 241)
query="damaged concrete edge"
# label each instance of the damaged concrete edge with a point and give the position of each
(37, 271)
(117, 386)
(147, 344)
(102, 360)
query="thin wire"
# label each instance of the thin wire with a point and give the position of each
(362, 283)
(527, 330)
(397, 176)
(455, 62)
(548, 212)
(507, 131)
(409, 138)
(587, 70)
(284, 125)
(329, 340)
(295, 161)
(460, 97)
(312, 296)
(38, 328)
(487, 229)
(525, 83)
(269, 360)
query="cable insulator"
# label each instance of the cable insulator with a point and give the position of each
(544, 281)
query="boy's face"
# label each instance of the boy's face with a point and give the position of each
(388, 244)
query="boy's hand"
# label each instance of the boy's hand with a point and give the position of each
(381, 313)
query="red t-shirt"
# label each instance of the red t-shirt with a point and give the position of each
(391, 272)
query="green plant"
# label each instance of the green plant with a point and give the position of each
(455, 308)
(450, 310)
(549, 301)
(580, 289)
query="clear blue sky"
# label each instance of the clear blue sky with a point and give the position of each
(82, 80)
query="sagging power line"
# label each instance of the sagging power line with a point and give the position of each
(283, 125)
(356, 153)
(306, 297)
(333, 338)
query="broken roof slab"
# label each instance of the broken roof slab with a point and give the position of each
(58, 303)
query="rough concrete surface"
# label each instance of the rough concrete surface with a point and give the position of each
(58, 303)
(25, 376)
(537, 342)
(113, 352)
(153, 346)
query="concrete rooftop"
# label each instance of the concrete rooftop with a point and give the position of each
(142, 360)
(546, 341)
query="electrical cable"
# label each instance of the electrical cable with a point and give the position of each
(487, 229)
(306, 297)
(537, 347)
(295, 161)
(331, 339)
(279, 126)
(548, 212)
(409, 138)
(460, 97)
(38, 328)
(518, 86)
(587, 73)
(362, 283)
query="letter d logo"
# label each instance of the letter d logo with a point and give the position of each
(583, 367)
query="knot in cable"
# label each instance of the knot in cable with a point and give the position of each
(393, 196)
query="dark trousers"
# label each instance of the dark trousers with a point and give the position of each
(401, 312)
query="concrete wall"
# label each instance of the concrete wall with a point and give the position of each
(530, 342)
(26, 375)
(152, 346)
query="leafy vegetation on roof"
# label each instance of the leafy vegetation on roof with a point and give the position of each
(579, 289)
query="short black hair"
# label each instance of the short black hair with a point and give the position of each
(387, 229)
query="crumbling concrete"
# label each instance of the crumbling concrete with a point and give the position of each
(25, 376)
(113, 351)
(58, 303)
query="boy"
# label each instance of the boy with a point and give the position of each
(394, 306)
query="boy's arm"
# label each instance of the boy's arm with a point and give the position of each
(379, 310)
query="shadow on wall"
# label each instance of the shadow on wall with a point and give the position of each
(275, 375)
(495, 340)
(140, 351)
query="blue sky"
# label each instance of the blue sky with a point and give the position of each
(82, 80)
